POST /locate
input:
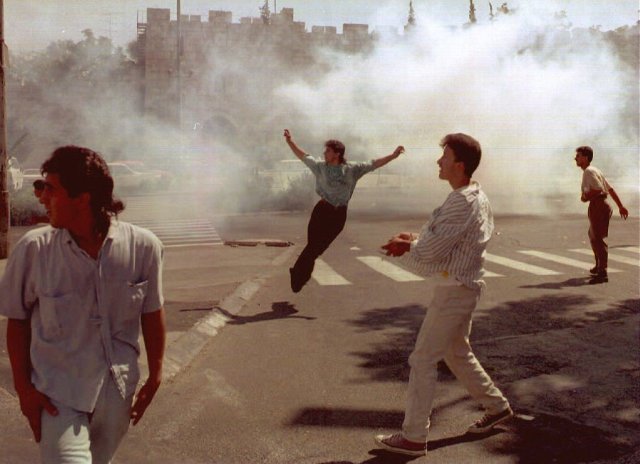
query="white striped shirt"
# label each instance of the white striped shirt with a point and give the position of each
(455, 239)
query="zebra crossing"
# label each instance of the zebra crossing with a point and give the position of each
(182, 230)
(547, 264)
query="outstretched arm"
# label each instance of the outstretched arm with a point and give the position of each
(294, 148)
(623, 211)
(385, 159)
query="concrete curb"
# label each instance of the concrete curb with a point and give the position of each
(184, 350)
(256, 242)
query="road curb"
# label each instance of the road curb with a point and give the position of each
(184, 350)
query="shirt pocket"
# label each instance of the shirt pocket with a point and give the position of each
(60, 315)
(128, 300)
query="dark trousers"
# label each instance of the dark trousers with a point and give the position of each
(325, 224)
(599, 215)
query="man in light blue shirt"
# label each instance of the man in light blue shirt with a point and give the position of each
(335, 182)
(77, 293)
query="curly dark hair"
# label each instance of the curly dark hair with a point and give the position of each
(337, 146)
(83, 170)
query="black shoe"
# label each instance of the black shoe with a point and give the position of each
(599, 279)
(296, 283)
(594, 270)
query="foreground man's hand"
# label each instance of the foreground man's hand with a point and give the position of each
(143, 399)
(32, 402)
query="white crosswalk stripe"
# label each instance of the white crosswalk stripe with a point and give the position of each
(492, 274)
(325, 275)
(180, 228)
(182, 232)
(562, 260)
(520, 266)
(390, 270)
(631, 248)
(612, 257)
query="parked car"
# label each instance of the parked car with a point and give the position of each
(15, 175)
(126, 178)
(140, 166)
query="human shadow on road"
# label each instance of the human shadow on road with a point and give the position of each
(347, 417)
(549, 438)
(381, 456)
(575, 282)
(279, 310)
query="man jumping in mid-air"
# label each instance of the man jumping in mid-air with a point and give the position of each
(335, 182)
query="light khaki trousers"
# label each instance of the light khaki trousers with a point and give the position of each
(445, 335)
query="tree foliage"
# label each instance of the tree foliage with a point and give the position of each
(70, 92)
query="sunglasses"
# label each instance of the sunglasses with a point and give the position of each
(38, 184)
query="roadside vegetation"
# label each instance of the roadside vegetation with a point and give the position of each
(25, 208)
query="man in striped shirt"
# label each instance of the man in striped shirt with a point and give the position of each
(450, 250)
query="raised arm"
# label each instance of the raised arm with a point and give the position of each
(294, 148)
(385, 159)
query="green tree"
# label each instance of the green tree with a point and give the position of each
(411, 20)
(265, 12)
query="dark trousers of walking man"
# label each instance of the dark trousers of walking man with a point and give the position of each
(325, 224)
(599, 215)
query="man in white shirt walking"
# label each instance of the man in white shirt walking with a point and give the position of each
(595, 189)
(450, 250)
(77, 294)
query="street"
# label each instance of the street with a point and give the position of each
(312, 377)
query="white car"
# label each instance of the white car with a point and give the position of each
(15, 175)
(126, 178)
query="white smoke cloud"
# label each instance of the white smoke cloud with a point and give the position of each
(528, 91)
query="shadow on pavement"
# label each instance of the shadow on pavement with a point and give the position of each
(381, 456)
(279, 310)
(353, 418)
(548, 439)
(387, 360)
(575, 282)
(539, 374)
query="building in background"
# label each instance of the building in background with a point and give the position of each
(228, 70)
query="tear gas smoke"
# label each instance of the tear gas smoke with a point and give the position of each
(528, 87)
(530, 91)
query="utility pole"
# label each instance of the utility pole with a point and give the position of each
(4, 158)
(178, 83)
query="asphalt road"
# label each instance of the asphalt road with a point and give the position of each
(311, 377)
